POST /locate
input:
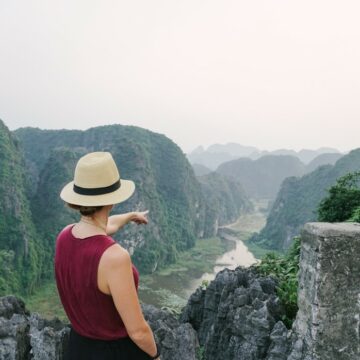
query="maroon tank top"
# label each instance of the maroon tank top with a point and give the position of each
(91, 312)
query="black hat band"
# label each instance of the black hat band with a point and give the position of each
(97, 191)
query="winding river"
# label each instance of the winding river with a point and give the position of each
(174, 288)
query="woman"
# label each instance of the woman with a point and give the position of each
(95, 277)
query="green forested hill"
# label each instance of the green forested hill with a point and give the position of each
(261, 178)
(20, 246)
(298, 199)
(165, 185)
(226, 200)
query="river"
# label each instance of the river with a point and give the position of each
(173, 289)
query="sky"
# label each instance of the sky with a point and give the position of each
(266, 73)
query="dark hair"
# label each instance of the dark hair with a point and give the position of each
(85, 210)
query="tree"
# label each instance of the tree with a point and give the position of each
(343, 200)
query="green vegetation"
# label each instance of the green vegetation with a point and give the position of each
(355, 216)
(285, 269)
(46, 302)
(225, 201)
(341, 204)
(165, 182)
(200, 353)
(298, 200)
(343, 201)
(35, 164)
(249, 223)
(198, 259)
(20, 264)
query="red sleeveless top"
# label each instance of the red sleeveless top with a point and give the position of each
(91, 312)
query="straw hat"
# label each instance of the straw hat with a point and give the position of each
(97, 182)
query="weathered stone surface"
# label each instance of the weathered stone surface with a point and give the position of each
(25, 336)
(279, 342)
(48, 339)
(235, 317)
(14, 329)
(328, 321)
(177, 341)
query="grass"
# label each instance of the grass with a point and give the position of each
(201, 257)
(46, 302)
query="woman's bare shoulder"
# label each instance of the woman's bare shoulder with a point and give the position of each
(116, 255)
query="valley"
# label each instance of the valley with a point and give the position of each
(170, 287)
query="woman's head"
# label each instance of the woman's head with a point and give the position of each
(96, 183)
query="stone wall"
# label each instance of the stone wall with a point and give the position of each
(328, 321)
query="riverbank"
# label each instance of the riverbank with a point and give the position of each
(247, 224)
(172, 286)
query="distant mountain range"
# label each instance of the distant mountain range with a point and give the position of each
(261, 178)
(217, 154)
(298, 199)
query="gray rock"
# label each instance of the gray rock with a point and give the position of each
(279, 347)
(177, 341)
(328, 321)
(14, 337)
(14, 329)
(48, 339)
(25, 336)
(235, 316)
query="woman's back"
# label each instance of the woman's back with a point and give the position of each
(91, 312)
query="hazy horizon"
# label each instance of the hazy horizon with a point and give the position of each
(270, 74)
(205, 147)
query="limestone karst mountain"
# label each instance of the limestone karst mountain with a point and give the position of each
(19, 243)
(35, 164)
(298, 199)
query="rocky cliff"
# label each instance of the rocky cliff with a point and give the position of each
(238, 316)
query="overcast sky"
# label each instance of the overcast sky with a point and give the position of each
(270, 73)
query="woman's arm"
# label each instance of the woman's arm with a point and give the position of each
(117, 265)
(116, 222)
